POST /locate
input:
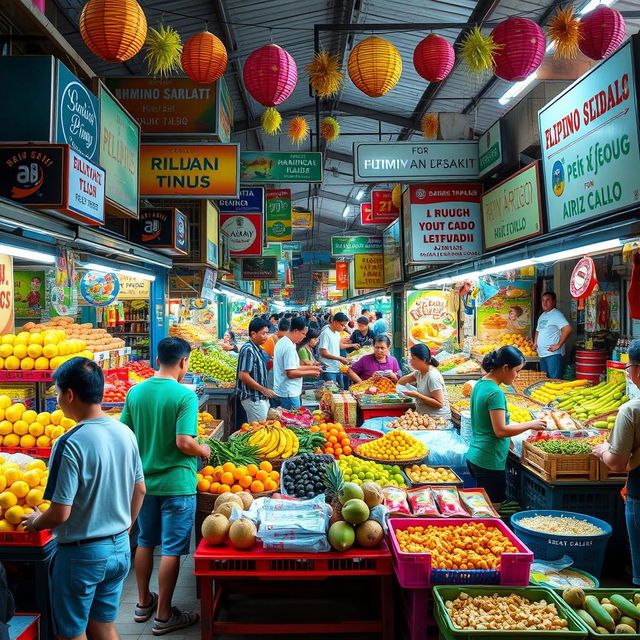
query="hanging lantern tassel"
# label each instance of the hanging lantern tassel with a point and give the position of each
(298, 130)
(478, 52)
(430, 125)
(271, 121)
(330, 129)
(325, 76)
(163, 51)
(564, 32)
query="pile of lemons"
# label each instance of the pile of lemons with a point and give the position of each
(40, 351)
(20, 427)
(21, 492)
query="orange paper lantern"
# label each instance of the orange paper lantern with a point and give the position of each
(375, 66)
(115, 30)
(204, 58)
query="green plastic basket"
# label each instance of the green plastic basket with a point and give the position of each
(441, 594)
(605, 593)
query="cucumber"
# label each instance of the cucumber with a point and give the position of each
(586, 618)
(601, 424)
(600, 614)
(625, 606)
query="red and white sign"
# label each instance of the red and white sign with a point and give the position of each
(583, 279)
(381, 210)
(365, 213)
(342, 275)
(243, 233)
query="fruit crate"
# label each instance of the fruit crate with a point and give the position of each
(458, 482)
(414, 569)
(606, 593)
(34, 452)
(606, 475)
(576, 629)
(26, 376)
(25, 539)
(553, 467)
(283, 470)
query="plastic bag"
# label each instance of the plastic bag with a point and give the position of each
(395, 500)
(448, 502)
(423, 503)
(476, 504)
(379, 514)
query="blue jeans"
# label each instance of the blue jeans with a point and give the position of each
(632, 514)
(552, 366)
(167, 521)
(289, 403)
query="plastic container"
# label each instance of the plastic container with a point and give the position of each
(34, 452)
(587, 552)
(25, 539)
(543, 583)
(283, 471)
(591, 365)
(414, 569)
(606, 593)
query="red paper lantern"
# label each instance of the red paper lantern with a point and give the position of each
(522, 51)
(433, 58)
(204, 58)
(602, 32)
(270, 75)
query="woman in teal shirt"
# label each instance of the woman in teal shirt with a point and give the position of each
(487, 454)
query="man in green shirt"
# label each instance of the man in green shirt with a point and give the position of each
(163, 414)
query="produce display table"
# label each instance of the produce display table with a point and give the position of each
(41, 379)
(223, 400)
(228, 567)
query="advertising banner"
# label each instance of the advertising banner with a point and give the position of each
(212, 235)
(133, 289)
(265, 268)
(589, 140)
(278, 223)
(512, 210)
(273, 249)
(7, 323)
(368, 270)
(491, 154)
(415, 161)
(430, 319)
(189, 171)
(276, 166)
(510, 311)
(85, 190)
(392, 251)
(163, 229)
(442, 222)
(383, 211)
(29, 291)
(251, 200)
(225, 111)
(351, 245)
(301, 219)
(294, 246)
(243, 233)
(342, 276)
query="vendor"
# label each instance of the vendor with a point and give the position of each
(552, 331)
(362, 336)
(377, 365)
(491, 431)
(431, 395)
(622, 453)
(229, 342)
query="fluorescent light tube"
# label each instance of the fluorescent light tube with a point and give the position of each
(360, 195)
(345, 212)
(517, 88)
(579, 251)
(519, 264)
(94, 266)
(27, 254)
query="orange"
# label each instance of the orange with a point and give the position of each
(245, 482)
(345, 442)
(265, 465)
(252, 469)
(332, 439)
(257, 487)
(337, 450)
(261, 475)
(207, 471)
(347, 451)
(224, 488)
(228, 466)
(227, 478)
(203, 485)
(270, 485)
(214, 487)
(275, 476)
(240, 472)
(236, 488)
(209, 478)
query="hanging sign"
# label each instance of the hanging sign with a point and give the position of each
(342, 276)
(368, 271)
(583, 279)
(442, 222)
(7, 324)
(85, 190)
(278, 215)
(301, 219)
(351, 245)
(29, 293)
(509, 311)
(365, 213)
(189, 171)
(429, 319)
(99, 289)
(225, 111)
(392, 251)
(133, 288)
(212, 233)
(273, 249)
(512, 210)
(276, 166)
(243, 233)
(491, 155)
(295, 246)
(209, 278)
(590, 145)
(415, 161)
(251, 200)
(259, 268)
(383, 211)
(161, 229)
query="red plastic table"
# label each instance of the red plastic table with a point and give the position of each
(226, 565)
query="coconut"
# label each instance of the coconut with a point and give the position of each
(215, 528)
(242, 534)
(372, 493)
(369, 534)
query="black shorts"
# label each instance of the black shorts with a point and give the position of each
(493, 482)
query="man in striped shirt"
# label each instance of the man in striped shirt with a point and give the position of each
(252, 373)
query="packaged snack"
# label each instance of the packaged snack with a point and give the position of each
(422, 502)
(448, 502)
(476, 504)
(395, 500)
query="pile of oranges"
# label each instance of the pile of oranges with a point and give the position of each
(337, 442)
(395, 445)
(229, 478)
(21, 492)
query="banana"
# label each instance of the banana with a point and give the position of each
(288, 450)
(259, 437)
(284, 442)
(296, 444)
(270, 445)
(281, 442)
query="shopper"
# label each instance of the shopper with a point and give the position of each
(552, 332)
(431, 395)
(274, 319)
(329, 347)
(307, 347)
(622, 453)
(362, 336)
(380, 325)
(229, 342)
(376, 365)
(269, 347)
(487, 454)
(96, 487)
(287, 371)
(251, 384)
(164, 416)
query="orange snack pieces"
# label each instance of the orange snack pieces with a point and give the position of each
(229, 478)
(337, 441)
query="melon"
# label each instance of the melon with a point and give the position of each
(341, 536)
(242, 534)
(372, 493)
(349, 491)
(247, 499)
(226, 497)
(215, 528)
(227, 507)
(369, 534)
(355, 511)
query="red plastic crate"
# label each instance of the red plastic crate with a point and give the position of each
(383, 412)
(34, 452)
(414, 569)
(25, 539)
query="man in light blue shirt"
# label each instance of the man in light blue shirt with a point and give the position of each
(96, 487)
(380, 325)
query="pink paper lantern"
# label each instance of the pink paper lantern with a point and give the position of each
(602, 32)
(270, 75)
(522, 51)
(433, 58)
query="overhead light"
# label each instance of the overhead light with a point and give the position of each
(510, 266)
(137, 274)
(360, 195)
(27, 254)
(345, 212)
(579, 251)
(94, 266)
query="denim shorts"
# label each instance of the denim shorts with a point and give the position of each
(632, 514)
(167, 521)
(86, 583)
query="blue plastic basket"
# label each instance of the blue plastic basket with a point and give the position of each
(587, 552)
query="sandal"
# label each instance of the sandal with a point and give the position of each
(142, 614)
(178, 620)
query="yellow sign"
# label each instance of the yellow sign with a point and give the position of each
(369, 270)
(302, 219)
(212, 235)
(133, 289)
(6, 295)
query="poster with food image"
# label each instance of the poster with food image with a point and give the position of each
(29, 291)
(510, 312)
(432, 319)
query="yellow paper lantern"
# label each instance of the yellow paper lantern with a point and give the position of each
(115, 30)
(374, 66)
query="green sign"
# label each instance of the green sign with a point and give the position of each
(351, 245)
(295, 246)
(274, 166)
(511, 211)
(490, 149)
(29, 288)
(273, 249)
(119, 148)
(278, 203)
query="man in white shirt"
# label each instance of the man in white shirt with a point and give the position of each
(552, 331)
(287, 372)
(329, 347)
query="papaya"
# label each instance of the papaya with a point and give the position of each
(625, 606)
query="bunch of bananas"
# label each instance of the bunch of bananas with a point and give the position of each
(274, 442)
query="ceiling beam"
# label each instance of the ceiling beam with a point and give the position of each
(323, 193)
(372, 114)
(337, 155)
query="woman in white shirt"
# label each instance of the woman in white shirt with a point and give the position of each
(431, 395)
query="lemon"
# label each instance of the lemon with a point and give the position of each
(55, 362)
(12, 475)
(44, 418)
(42, 363)
(36, 338)
(19, 488)
(49, 350)
(3, 483)
(43, 441)
(48, 429)
(5, 428)
(5, 401)
(28, 440)
(32, 477)
(36, 429)
(20, 427)
(14, 515)
(12, 363)
(57, 432)
(22, 338)
(20, 351)
(8, 500)
(44, 506)
(37, 464)
(6, 350)
(29, 416)
(56, 417)
(11, 440)
(14, 412)
(27, 364)
(5, 526)
(34, 351)
(28, 510)
(67, 423)
(34, 497)
(8, 339)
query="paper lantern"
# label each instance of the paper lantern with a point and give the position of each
(374, 66)
(270, 75)
(114, 30)
(433, 58)
(602, 32)
(523, 46)
(204, 58)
